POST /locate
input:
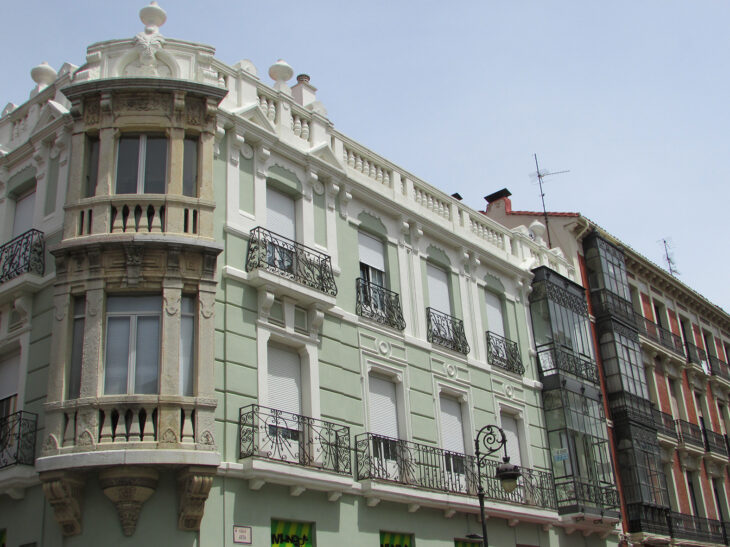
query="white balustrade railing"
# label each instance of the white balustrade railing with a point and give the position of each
(367, 165)
(300, 126)
(268, 106)
(486, 231)
(431, 201)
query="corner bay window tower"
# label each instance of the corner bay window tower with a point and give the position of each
(574, 417)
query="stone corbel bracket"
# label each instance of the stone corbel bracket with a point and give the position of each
(128, 488)
(194, 485)
(64, 491)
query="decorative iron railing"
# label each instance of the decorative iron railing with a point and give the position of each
(664, 423)
(688, 433)
(17, 438)
(379, 304)
(720, 368)
(414, 464)
(697, 355)
(647, 518)
(626, 406)
(23, 254)
(553, 359)
(534, 487)
(715, 443)
(659, 334)
(293, 438)
(571, 492)
(504, 353)
(289, 259)
(695, 528)
(605, 302)
(446, 330)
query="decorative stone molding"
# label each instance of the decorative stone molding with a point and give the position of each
(128, 488)
(64, 491)
(193, 487)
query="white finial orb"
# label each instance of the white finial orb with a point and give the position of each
(152, 15)
(280, 71)
(43, 74)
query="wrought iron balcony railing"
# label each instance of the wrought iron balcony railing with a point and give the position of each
(553, 359)
(291, 260)
(605, 302)
(659, 334)
(17, 438)
(504, 353)
(688, 433)
(715, 443)
(695, 528)
(697, 356)
(572, 493)
(292, 438)
(720, 368)
(664, 423)
(23, 254)
(424, 466)
(648, 518)
(445, 330)
(628, 407)
(379, 304)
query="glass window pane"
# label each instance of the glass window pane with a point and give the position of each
(117, 355)
(77, 344)
(155, 165)
(127, 165)
(187, 357)
(190, 167)
(92, 166)
(147, 351)
(134, 304)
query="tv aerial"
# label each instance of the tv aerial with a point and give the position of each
(540, 175)
(669, 257)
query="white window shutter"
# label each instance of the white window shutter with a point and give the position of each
(495, 321)
(383, 408)
(511, 433)
(452, 427)
(24, 209)
(9, 370)
(438, 289)
(371, 251)
(280, 214)
(285, 380)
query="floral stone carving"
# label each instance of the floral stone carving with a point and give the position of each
(128, 488)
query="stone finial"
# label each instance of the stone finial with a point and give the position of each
(152, 16)
(538, 228)
(280, 72)
(43, 74)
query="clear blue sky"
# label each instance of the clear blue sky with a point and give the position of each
(631, 97)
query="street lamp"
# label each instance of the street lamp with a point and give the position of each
(492, 438)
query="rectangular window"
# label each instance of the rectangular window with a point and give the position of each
(24, 210)
(190, 167)
(285, 533)
(452, 440)
(284, 379)
(372, 259)
(9, 377)
(512, 434)
(383, 412)
(187, 346)
(92, 166)
(51, 186)
(132, 344)
(281, 220)
(495, 319)
(141, 164)
(438, 289)
(77, 346)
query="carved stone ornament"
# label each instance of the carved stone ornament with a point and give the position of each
(207, 304)
(64, 492)
(128, 488)
(168, 437)
(149, 43)
(193, 489)
(207, 439)
(50, 445)
(172, 305)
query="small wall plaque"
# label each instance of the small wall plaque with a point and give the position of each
(242, 534)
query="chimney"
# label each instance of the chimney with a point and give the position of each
(303, 92)
(503, 193)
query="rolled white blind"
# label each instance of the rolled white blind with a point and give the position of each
(285, 380)
(495, 321)
(371, 251)
(280, 214)
(438, 289)
(452, 428)
(383, 408)
(23, 220)
(509, 425)
(9, 367)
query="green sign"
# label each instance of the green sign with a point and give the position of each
(466, 543)
(393, 539)
(285, 533)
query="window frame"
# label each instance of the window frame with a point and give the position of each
(142, 162)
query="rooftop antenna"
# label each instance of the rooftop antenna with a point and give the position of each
(541, 175)
(669, 258)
